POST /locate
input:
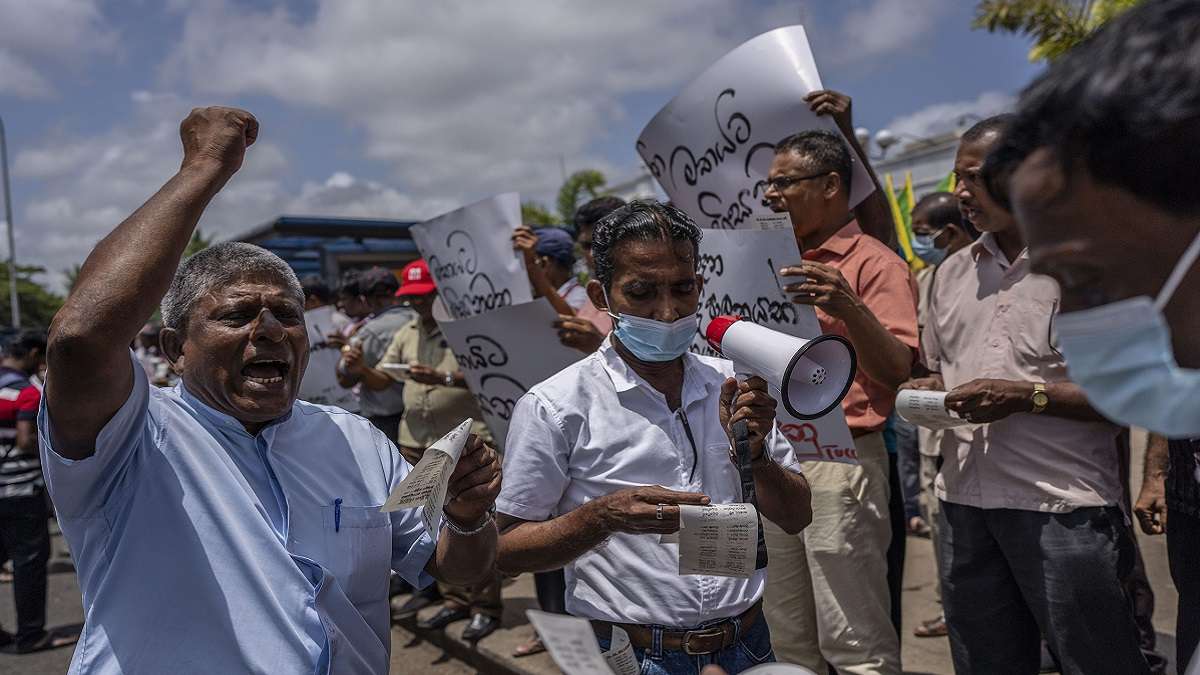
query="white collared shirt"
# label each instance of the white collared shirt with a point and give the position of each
(597, 427)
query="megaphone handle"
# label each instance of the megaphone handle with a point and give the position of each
(741, 445)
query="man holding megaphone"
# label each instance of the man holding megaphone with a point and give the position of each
(601, 456)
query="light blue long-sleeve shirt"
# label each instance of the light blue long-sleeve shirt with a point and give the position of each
(203, 549)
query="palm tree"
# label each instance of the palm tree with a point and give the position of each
(1056, 26)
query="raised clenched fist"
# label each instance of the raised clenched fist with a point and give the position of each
(217, 136)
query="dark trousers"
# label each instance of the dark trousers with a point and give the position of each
(1011, 576)
(388, 424)
(908, 462)
(551, 590)
(1183, 553)
(25, 533)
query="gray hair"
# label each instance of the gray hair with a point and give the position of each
(219, 265)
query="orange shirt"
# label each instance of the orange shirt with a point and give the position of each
(883, 281)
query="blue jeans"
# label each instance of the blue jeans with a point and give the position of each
(1012, 576)
(753, 647)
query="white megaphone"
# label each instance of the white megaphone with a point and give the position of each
(810, 377)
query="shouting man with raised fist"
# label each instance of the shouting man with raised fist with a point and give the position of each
(223, 526)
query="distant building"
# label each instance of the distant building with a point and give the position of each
(641, 185)
(930, 161)
(330, 246)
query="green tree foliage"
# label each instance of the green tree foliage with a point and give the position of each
(589, 182)
(38, 304)
(1056, 26)
(535, 215)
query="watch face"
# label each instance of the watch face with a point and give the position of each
(1040, 399)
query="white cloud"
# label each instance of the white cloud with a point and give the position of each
(89, 185)
(940, 118)
(40, 33)
(461, 99)
(881, 28)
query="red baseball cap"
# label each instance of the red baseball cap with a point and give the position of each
(415, 279)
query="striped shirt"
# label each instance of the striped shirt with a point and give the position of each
(20, 472)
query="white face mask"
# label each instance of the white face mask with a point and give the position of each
(1121, 355)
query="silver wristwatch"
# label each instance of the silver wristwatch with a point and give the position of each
(449, 379)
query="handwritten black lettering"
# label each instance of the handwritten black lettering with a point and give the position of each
(734, 132)
(498, 393)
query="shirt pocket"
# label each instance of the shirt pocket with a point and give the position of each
(1031, 323)
(358, 545)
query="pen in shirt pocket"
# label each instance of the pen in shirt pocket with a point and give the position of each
(337, 515)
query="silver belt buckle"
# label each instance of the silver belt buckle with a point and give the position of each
(706, 633)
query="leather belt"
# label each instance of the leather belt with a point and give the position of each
(695, 642)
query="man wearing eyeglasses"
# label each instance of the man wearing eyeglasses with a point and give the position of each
(827, 596)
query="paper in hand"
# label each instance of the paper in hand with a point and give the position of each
(926, 409)
(719, 540)
(426, 484)
(573, 646)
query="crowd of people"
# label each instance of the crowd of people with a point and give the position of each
(218, 523)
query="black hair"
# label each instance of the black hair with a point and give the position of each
(377, 281)
(941, 209)
(349, 283)
(1124, 105)
(25, 342)
(590, 213)
(995, 124)
(825, 150)
(644, 220)
(315, 287)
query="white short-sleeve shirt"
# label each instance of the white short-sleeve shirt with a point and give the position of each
(596, 428)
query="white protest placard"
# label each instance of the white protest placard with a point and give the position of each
(927, 409)
(740, 277)
(320, 384)
(425, 485)
(573, 646)
(505, 352)
(719, 540)
(471, 256)
(710, 148)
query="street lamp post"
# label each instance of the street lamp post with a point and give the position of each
(8, 221)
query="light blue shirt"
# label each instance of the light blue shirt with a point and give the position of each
(203, 549)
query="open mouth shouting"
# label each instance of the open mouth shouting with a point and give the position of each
(266, 372)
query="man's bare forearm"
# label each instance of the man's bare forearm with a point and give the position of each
(783, 497)
(464, 560)
(881, 355)
(1157, 462)
(527, 546)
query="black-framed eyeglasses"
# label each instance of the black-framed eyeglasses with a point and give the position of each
(782, 183)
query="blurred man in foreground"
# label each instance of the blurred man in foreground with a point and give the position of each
(1100, 169)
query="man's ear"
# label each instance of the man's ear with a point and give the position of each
(595, 291)
(833, 183)
(170, 342)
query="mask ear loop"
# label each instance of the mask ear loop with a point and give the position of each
(1181, 269)
(608, 305)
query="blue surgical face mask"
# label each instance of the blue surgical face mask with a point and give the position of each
(654, 341)
(924, 248)
(1121, 355)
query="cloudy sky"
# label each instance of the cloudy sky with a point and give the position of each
(405, 109)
